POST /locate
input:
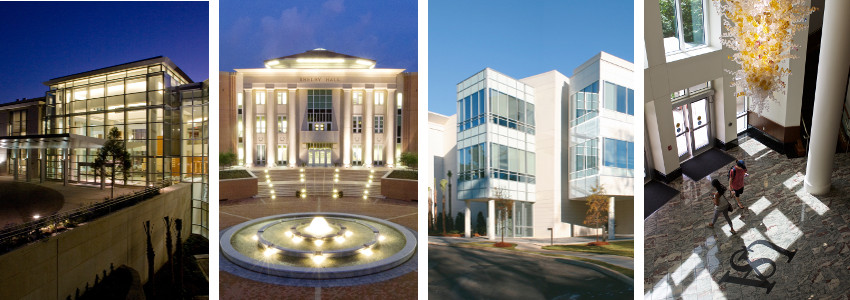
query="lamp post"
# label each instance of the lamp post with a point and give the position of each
(551, 236)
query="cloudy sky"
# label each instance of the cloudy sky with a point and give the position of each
(254, 31)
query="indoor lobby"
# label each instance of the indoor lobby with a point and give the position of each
(792, 130)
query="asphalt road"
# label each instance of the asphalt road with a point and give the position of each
(464, 273)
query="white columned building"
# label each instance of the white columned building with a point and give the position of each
(318, 108)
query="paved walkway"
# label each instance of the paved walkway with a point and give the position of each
(798, 243)
(531, 245)
(75, 195)
(468, 273)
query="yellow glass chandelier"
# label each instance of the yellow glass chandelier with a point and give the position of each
(761, 33)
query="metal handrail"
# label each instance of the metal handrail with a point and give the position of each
(26, 230)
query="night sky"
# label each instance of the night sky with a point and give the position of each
(40, 41)
(253, 31)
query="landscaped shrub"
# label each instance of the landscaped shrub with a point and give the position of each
(480, 224)
(459, 222)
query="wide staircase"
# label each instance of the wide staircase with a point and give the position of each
(319, 182)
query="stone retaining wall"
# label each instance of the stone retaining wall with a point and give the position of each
(56, 267)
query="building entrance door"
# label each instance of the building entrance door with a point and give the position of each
(691, 124)
(319, 157)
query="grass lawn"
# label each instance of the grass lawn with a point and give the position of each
(621, 270)
(621, 248)
(233, 174)
(404, 174)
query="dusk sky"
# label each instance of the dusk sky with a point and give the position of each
(519, 39)
(253, 31)
(45, 40)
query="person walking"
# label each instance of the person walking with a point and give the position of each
(736, 180)
(725, 208)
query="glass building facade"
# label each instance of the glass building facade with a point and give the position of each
(495, 144)
(162, 116)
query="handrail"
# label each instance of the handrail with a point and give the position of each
(31, 231)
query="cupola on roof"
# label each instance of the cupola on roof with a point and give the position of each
(320, 58)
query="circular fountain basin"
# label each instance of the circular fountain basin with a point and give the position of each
(298, 245)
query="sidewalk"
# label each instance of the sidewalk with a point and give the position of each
(534, 245)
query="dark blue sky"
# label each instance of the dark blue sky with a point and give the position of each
(44, 40)
(519, 39)
(253, 31)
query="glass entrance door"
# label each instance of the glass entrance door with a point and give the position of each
(319, 157)
(691, 124)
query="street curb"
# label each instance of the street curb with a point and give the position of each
(606, 271)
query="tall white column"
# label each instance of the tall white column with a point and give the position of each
(250, 119)
(829, 94)
(491, 219)
(611, 216)
(292, 128)
(467, 221)
(271, 127)
(368, 126)
(346, 128)
(389, 128)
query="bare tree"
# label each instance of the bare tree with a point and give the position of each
(504, 207)
(597, 210)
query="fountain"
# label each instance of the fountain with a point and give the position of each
(318, 245)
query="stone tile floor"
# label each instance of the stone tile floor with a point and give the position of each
(686, 259)
(237, 211)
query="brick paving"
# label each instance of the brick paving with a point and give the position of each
(233, 212)
(684, 259)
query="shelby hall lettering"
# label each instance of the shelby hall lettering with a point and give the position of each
(319, 79)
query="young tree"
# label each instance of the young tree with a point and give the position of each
(450, 192)
(504, 207)
(409, 159)
(113, 153)
(597, 209)
(227, 159)
(430, 210)
(443, 184)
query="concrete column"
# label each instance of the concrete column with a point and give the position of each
(250, 119)
(271, 127)
(829, 95)
(611, 216)
(15, 160)
(389, 128)
(292, 128)
(368, 126)
(66, 167)
(42, 170)
(346, 128)
(467, 221)
(491, 219)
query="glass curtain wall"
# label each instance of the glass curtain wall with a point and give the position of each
(130, 100)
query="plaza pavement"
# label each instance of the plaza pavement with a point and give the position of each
(233, 212)
(798, 243)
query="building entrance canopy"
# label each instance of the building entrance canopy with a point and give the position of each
(50, 141)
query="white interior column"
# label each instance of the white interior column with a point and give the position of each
(491, 219)
(368, 127)
(346, 128)
(611, 216)
(389, 128)
(271, 128)
(467, 221)
(292, 127)
(250, 120)
(829, 94)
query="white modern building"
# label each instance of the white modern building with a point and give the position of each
(317, 108)
(542, 141)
